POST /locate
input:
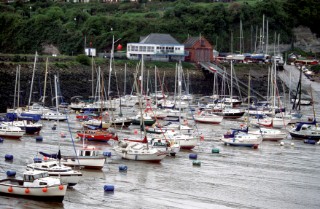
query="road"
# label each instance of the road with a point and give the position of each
(306, 83)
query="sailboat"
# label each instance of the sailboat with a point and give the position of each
(306, 130)
(99, 134)
(27, 113)
(229, 111)
(241, 137)
(136, 149)
(186, 141)
(55, 115)
(208, 116)
(53, 166)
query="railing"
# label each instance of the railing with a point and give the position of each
(242, 86)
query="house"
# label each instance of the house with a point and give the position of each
(156, 46)
(198, 50)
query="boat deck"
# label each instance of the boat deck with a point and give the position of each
(12, 182)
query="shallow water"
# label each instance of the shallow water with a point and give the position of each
(272, 176)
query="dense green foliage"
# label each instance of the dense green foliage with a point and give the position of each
(26, 27)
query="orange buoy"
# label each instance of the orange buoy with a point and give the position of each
(27, 191)
(45, 158)
(10, 189)
(45, 189)
(61, 187)
(135, 131)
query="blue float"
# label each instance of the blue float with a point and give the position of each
(1, 140)
(11, 173)
(107, 154)
(123, 168)
(310, 141)
(37, 160)
(39, 138)
(108, 188)
(193, 156)
(8, 157)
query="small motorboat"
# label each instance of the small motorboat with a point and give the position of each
(34, 185)
(10, 131)
(54, 169)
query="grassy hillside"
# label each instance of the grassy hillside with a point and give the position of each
(26, 27)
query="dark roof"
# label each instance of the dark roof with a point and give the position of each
(157, 38)
(191, 41)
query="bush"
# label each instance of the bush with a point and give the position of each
(83, 59)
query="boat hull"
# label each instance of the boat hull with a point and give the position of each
(155, 158)
(53, 193)
(87, 162)
(304, 136)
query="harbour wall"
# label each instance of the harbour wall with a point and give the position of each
(76, 80)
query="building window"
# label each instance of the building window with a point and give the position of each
(150, 49)
(135, 48)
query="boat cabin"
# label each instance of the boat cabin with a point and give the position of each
(89, 151)
(31, 176)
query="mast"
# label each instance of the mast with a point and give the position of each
(314, 112)
(125, 80)
(15, 88)
(140, 103)
(241, 37)
(267, 39)
(262, 38)
(155, 84)
(110, 67)
(57, 110)
(92, 78)
(147, 92)
(141, 77)
(214, 86)
(175, 84)
(231, 83)
(179, 89)
(268, 87)
(249, 81)
(18, 102)
(290, 86)
(45, 83)
(188, 82)
(32, 79)
(255, 42)
(231, 44)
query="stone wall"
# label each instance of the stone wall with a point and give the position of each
(76, 81)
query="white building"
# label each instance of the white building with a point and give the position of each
(155, 46)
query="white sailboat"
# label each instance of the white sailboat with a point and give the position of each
(185, 141)
(136, 149)
(241, 137)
